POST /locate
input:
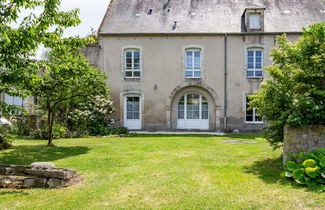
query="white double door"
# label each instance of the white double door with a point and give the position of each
(193, 112)
(132, 112)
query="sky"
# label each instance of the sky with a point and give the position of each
(91, 14)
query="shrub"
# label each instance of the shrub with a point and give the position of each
(307, 168)
(5, 139)
(22, 125)
(58, 132)
(120, 131)
(294, 95)
(91, 115)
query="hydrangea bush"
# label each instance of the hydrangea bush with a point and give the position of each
(307, 168)
(92, 116)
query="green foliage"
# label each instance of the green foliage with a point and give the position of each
(58, 132)
(66, 75)
(5, 138)
(21, 125)
(295, 95)
(309, 163)
(307, 168)
(120, 131)
(91, 115)
(19, 41)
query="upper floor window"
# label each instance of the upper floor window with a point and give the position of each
(254, 63)
(193, 63)
(132, 64)
(252, 115)
(255, 21)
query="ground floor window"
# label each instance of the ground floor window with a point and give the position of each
(252, 115)
(193, 106)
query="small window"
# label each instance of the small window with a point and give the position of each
(132, 64)
(255, 21)
(252, 115)
(193, 63)
(254, 63)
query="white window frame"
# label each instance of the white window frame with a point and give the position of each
(200, 107)
(193, 69)
(133, 69)
(254, 114)
(254, 69)
(251, 27)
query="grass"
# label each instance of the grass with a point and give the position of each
(160, 172)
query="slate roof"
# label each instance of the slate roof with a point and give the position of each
(207, 16)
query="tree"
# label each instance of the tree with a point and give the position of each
(18, 44)
(295, 96)
(65, 74)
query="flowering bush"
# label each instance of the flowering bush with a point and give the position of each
(5, 129)
(92, 116)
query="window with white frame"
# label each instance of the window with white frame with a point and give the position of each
(252, 115)
(193, 106)
(193, 63)
(255, 21)
(254, 63)
(132, 64)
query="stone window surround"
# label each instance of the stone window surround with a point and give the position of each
(194, 47)
(249, 11)
(132, 79)
(254, 46)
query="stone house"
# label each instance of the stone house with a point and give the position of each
(190, 64)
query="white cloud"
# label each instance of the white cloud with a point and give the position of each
(91, 14)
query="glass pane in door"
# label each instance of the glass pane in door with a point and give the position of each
(193, 106)
(133, 108)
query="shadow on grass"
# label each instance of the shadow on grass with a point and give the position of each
(268, 170)
(14, 193)
(244, 136)
(25, 155)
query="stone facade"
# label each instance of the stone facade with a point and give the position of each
(302, 139)
(159, 46)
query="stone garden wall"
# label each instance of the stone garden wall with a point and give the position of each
(12, 176)
(302, 139)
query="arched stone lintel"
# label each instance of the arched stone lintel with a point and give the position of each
(193, 84)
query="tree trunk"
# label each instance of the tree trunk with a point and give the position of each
(49, 125)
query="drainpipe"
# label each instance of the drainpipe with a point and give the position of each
(226, 86)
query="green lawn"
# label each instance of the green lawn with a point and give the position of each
(160, 171)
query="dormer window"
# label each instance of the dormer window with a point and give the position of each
(255, 21)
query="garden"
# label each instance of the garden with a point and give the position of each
(161, 171)
(67, 120)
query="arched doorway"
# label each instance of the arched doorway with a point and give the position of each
(193, 112)
(193, 107)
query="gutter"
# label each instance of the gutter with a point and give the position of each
(225, 85)
(201, 34)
